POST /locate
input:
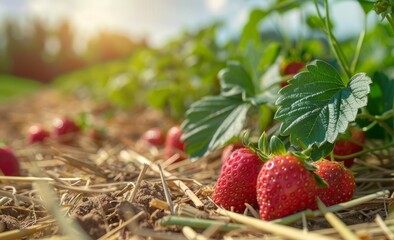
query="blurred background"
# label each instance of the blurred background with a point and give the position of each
(132, 52)
(42, 39)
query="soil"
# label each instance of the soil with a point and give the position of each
(94, 180)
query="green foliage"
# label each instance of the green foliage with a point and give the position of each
(12, 87)
(214, 120)
(211, 122)
(169, 78)
(380, 103)
(221, 100)
(318, 104)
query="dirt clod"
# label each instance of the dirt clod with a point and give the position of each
(8, 223)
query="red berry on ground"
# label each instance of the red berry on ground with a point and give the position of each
(154, 136)
(9, 164)
(284, 187)
(237, 181)
(37, 134)
(341, 183)
(174, 144)
(229, 149)
(347, 147)
(64, 128)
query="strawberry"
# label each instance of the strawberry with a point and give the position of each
(229, 149)
(9, 164)
(174, 144)
(291, 68)
(341, 183)
(64, 128)
(349, 146)
(154, 136)
(237, 181)
(285, 186)
(37, 134)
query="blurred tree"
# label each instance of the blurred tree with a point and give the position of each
(42, 54)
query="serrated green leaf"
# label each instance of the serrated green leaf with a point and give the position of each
(211, 122)
(235, 81)
(317, 104)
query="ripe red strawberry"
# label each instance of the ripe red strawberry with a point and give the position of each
(229, 149)
(346, 147)
(341, 183)
(285, 186)
(237, 181)
(37, 134)
(154, 136)
(174, 144)
(64, 128)
(9, 164)
(291, 68)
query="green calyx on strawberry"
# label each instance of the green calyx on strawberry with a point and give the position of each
(341, 183)
(286, 183)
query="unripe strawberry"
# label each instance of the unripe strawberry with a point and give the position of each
(37, 134)
(237, 181)
(285, 186)
(174, 144)
(9, 164)
(154, 136)
(341, 183)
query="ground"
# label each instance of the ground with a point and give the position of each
(112, 187)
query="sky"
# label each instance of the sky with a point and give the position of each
(161, 20)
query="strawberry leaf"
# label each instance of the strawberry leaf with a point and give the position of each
(214, 120)
(235, 82)
(211, 122)
(318, 104)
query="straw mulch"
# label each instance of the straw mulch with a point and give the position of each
(120, 188)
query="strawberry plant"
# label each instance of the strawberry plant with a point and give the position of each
(317, 106)
(321, 103)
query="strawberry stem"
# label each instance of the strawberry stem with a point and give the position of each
(334, 208)
(380, 119)
(199, 223)
(367, 150)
